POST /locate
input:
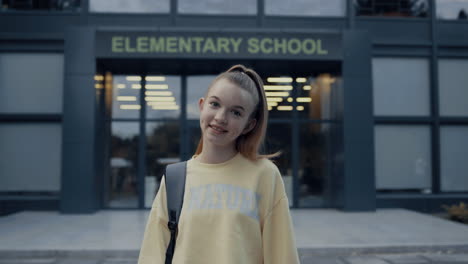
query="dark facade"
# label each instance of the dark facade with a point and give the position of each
(370, 117)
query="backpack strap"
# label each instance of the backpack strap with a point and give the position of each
(175, 188)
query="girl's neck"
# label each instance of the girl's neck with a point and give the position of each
(212, 155)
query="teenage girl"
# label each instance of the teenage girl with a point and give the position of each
(235, 207)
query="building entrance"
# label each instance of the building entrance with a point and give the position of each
(150, 112)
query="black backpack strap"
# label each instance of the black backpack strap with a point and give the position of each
(175, 188)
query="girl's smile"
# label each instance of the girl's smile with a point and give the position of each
(225, 114)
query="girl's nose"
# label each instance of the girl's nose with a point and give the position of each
(220, 117)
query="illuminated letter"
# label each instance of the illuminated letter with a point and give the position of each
(209, 46)
(117, 44)
(198, 41)
(281, 45)
(185, 45)
(252, 45)
(297, 43)
(128, 47)
(223, 45)
(142, 44)
(171, 43)
(157, 44)
(319, 48)
(236, 43)
(308, 46)
(263, 48)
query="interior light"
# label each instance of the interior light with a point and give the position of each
(272, 104)
(290, 99)
(304, 99)
(98, 78)
(166, 107)
(130, 107)
(156, 86)
(155, 78)
(126, 98)
(159, 99)
(152, 103)
(277, 87)
(285, 108)
(134, 78)
(274, 99)
(121, 86)
(270, 108)
(301, 80)
(98, 86)
(273, 94)
(306, 87)
(159, 93)
(300, 108)
(280, 79)
(136, 86)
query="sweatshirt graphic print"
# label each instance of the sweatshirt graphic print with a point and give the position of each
(233, 212)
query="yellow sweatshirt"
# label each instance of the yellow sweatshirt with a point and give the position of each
(234, 212)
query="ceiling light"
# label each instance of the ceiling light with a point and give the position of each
(159, 93)
(98, 86)
(273, 94)
(277, 87)
(280, 79)
(98, 78)
(156, 86)
(306, 87)
(134, 78)
(159, 99)
(121, 86)
(300, 108)
(272, 103)
(155, 78)
(152, 103)
(304, 99)
(285, 108)
(290, 99)
(136, 86)
(301, 80)
(130, 107)
(166, 107)
(274, 99)
(126, 98)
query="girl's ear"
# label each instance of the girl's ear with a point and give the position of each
(250, 125)
(200, 103)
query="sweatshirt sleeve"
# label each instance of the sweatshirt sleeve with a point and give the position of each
(157, 235)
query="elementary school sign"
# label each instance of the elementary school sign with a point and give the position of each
(323, 46)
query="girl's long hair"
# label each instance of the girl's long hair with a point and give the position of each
(248, 144)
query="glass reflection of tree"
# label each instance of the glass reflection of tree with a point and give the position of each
(312, 155)
(126, 149)
(162, 142)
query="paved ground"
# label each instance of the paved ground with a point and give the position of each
(391, 236)
(421, 258)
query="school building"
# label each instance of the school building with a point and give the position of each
(367, 98)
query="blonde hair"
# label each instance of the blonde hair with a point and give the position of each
(248, 144)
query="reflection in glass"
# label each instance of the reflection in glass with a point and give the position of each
(453, 87)
(403, 158)
(162, 97)
(314, 160)
(278, 138)
(126, 96)
(225, 7)
(123, 163)
(162, 148)
(125, 6)
(279, 95)
(452, 9)
(196, 88)
(401, 8)
(317, 98)
(453, 153)
(332, 8)
(401, 86)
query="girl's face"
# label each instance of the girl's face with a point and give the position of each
(225, 114)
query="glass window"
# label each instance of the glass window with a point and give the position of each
(453, 156)
(133, 6)
(452, 9)
(196, 88)
(31, 83)
(403, 158)
(317, 98)
(62, 5)
(453, 87)
(215, 7)
(278, 138)
(126, 96)
(401, 8)
(30, 157)
(314, 163)
(279, 95)
(163, 97)
(123, 165)
(333, 8)
(162, 148)
(401, 86)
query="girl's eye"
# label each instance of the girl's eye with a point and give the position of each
(236, 113)
(214, 104)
